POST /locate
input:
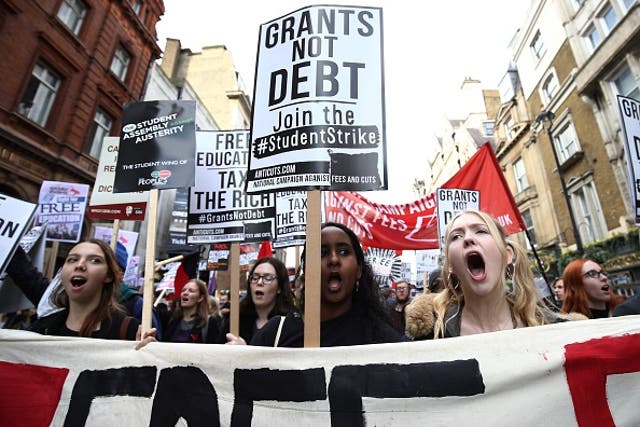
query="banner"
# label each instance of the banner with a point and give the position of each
(414, 225)
(582, 373)
(105, 204)
(318, 110)
(62, 206)
(157, 146)
(219, 209)
(630, 114)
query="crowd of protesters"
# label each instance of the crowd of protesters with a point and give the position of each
(484, 284)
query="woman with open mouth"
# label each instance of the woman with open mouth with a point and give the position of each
(190, 321)
(90, 279)
(268, 294)
(488, 284)
(587, 289)
(351, 311)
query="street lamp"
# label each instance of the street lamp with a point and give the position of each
(546, 117)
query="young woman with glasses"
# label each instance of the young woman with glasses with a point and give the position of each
(586, 289)
(268, 294)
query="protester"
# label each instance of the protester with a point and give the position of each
(397, 305)
(269, 294)
(558, 290)
(351, 312)
(90, 280)
(488, 285)
(586, 289)
(190, 321)
(214, 307)
(224, 303)
(436, 284)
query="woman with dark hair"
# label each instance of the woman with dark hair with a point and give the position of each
(586, 289)
(268, 295)
(90, 279)
(351, 311)
(190, 321)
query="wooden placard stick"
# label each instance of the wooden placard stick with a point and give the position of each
(150, 252)
(312, 289)
(51, 262)
(234, 288)
(114, 234)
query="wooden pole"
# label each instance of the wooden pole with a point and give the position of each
(312, 290)
(148, 293)
(51, 263)
(114, 234)
(234, 288)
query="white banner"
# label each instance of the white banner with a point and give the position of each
(583, 373)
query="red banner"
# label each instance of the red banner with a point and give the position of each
(414, 225)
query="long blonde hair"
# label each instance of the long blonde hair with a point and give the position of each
(521, 295)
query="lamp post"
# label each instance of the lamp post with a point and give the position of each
(546, 117)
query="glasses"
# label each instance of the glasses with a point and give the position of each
(594, 274)
(267, 279)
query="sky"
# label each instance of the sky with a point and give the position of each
(428, 51)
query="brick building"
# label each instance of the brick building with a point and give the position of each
(68, 68)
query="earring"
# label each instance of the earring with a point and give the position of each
(357, 285)
(509, 276)
(450, 277)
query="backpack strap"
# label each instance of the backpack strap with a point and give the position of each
(124, 326)
(280, 325)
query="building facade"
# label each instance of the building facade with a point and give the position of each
(69, 68)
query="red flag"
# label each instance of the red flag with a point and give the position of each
(414, 225)
(187, 270)
(265, 250)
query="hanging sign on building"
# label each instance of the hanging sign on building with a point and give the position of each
(318, 111)
(157, 146)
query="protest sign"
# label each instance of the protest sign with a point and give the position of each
(105, 204)
(318, 109)
(291, 219)
(62, 205)
(452, 201)
(574, 373)
(630, 114)
(414, 225)
(129, 239)
(219, 208)
(157, 146)
(15, 217)
(386, 265)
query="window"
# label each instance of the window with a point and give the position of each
(592, 35)
(101, 128)
(508, 128)
(39, 96)
(549, 87)
(136, 5)
(120, 63)
(528, 222)
(72, 14)
(520, 175)
(576, 4)
(588, 213)
(566, 142)
(609, 18)
(627, 4)
(625, 84)
(537, 45)
(488, 128)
